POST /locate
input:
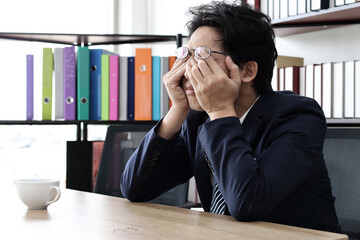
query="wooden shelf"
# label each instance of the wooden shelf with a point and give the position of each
(81, 125)
(37, 122)
(343, 122)
(63, 122)
(89, 39)
(330, 122)
(320, 20)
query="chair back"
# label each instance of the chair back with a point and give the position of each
(342, 157)
(120, 143)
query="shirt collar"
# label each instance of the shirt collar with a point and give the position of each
(246, 113)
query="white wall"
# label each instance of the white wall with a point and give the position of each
(161, 17)
(331, 45)
(65, 16)
(169, 16)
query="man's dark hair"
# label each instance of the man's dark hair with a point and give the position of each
(246, 36)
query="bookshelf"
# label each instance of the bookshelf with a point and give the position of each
(79, 152)
(91, 39)
(331, 35)
(86, 40)
(312, 23)
(81, 126)
(316, 21)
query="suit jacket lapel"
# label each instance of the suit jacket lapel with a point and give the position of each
(250, 129)
(253, 120)
(202, 174)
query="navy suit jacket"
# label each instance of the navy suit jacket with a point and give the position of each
(268, 168)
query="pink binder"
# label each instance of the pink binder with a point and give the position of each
(114, 88)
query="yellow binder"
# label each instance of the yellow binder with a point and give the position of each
(47, 83)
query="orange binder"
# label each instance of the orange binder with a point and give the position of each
(172, 60)
(143, 84)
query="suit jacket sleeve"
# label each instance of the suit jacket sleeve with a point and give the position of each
(255, 181)
(155, 167)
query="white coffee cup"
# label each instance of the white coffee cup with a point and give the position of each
(38, 193)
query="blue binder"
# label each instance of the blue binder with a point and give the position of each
(95, 84)
(156, 83)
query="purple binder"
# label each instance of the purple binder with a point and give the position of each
(29, 87)
(69, 83)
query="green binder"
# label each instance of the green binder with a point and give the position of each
(83, 83)
(105, 86)
(47, 83)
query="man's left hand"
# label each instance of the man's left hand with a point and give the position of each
(216, 92)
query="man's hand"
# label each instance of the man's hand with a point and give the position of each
(214, 89)
(172, 82)
(174, 119)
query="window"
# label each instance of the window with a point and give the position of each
(39, 150)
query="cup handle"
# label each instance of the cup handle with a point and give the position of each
(58, 194)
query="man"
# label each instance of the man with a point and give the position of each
(256, 154)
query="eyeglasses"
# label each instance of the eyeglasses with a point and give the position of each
(199, 52)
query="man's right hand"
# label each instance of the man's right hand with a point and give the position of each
(173, 84)
(180, 108)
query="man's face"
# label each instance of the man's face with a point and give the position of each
(203, 37)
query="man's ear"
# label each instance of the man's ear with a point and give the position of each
(249, 71)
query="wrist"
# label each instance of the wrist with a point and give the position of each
(180, 110)
(222, 113)
(172, 122)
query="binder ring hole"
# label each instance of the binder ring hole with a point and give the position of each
(69, 100)
(46, 100)
(83, 100)
(93, 68)
(143, 68)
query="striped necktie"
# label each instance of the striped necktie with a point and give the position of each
(218, 203)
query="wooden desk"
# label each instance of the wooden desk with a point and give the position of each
(81, 215)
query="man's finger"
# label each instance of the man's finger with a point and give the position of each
(213, 65)
(204, 68)
(198, 73)
(233, 68)
(189, 72)
(177, 69)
